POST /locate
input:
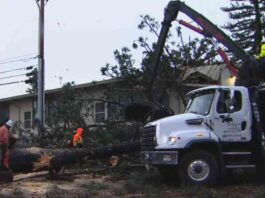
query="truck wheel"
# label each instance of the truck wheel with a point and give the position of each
(198, 168)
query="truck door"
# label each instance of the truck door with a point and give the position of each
(232, 117)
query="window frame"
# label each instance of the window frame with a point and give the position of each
(228, 103)
(27, 120)
(104, 112)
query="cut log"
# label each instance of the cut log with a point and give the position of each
(70, 157)
(21, 177)
(38, 159)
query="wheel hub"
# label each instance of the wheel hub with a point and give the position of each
(198, 170)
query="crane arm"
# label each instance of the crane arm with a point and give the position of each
(250, 73)
(250, 66)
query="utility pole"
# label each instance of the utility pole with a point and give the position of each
(41, 67)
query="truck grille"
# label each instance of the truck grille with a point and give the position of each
(148, 138)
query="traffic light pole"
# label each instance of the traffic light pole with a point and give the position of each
(41, 67)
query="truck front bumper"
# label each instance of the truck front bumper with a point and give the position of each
(159, 157)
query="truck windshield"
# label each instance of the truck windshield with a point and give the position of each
(200, 103)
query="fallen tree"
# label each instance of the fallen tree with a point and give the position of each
(38, 159)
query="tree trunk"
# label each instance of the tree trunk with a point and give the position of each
(37, 159)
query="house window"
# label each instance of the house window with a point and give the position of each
(27, 119)
(115, 110)
(100, 112)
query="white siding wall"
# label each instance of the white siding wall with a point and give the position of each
(176, 103)
(18, 108)
(96, 93)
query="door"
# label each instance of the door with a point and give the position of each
(232, 117)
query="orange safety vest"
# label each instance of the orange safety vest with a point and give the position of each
(4, 141)
(78, 137)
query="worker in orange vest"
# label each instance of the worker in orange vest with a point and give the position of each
(4, 143)
(7, 140)
(78, 138)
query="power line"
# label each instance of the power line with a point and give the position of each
(12, 76)
(15, 57)
(18, 65)
(14, 82)
(19, 60)
(17, 69)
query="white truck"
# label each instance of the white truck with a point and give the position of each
(223, 126)
(219, 130)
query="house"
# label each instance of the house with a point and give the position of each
(21, 108)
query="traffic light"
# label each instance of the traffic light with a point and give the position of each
(32, 80)
(29, 81)
(33, 77)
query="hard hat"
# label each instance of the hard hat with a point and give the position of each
(263, 40)
(80, 131)
(9, 123)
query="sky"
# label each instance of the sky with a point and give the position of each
(80, 36)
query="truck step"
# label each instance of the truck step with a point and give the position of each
(236, 153)
(241, 166)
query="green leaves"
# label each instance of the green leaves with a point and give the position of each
(64, 110)
(177, 53)
(247, 20)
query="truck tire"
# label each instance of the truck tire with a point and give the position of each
(198, 168)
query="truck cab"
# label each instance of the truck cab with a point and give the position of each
(214, 133)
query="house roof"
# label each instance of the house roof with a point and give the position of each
(210, 71)
(85, 85)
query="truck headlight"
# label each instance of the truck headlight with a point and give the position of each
(172, 140)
